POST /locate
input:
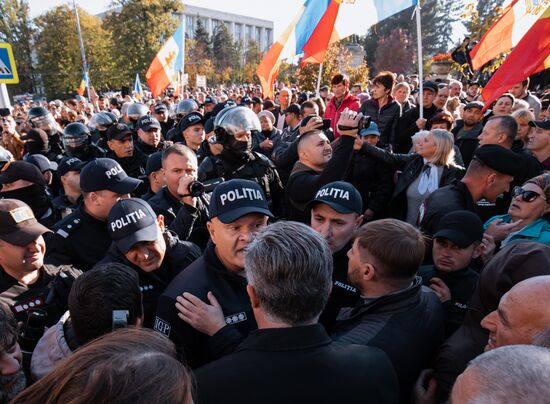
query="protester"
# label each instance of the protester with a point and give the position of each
(521, 91)
(538, 142)
(289, 346)
(342, 99)
(395, 313)
(131, 365)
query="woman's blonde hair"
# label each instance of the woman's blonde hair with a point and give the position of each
(444, 148)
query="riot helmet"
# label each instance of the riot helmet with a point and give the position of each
(185, 107)
(102, 121)
(76, 140)
(5, 156)
(41, 118)
(233, 127)
(135, 111)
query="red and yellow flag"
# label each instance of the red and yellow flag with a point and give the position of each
(531, 55)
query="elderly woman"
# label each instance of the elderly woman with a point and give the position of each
(528, 217)
(430, 167)
(401, 93)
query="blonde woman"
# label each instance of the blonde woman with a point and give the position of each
(430, 167)
(522, 117)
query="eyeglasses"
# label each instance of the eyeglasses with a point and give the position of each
(526, 196)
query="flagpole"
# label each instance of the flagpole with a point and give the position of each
(319, 78)
(82, 52)
(420, 66)
(182, 53)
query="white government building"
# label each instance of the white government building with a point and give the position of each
(243, 28)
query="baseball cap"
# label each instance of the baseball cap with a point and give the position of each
(540, 124)
(132, 221)
(154, 163)
(324, 88)
(209, 125)
(148, 122)
(462, 227)
(498, 158)
(236, 198)
(474, 104)
(340, 196)
(18, 225)
(371, 130)
(42, 162)
(246, 100)
(118, 131)
(69, 164)
(194, 118)
(21, 170)
(430, 85)
(257, 100)
(106, 173)
(209, 100)
(161, 107)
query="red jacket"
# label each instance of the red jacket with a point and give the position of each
(333, 113)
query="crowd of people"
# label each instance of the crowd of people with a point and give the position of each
(218, 246)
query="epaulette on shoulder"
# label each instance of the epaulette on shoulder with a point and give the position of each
(69, 225)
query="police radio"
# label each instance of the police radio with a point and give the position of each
(120, 319)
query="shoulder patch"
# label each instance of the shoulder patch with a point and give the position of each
(162, 326)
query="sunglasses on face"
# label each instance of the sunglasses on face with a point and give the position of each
(526, 196)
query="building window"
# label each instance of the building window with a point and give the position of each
(215, 24)
(258, 37)
(247, 33)
(189, 26)
(268, 38)
(238, 32)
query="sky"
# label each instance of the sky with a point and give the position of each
(279, 11)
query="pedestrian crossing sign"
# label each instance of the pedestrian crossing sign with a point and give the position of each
(8, 71)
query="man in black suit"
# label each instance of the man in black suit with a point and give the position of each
(290, 358)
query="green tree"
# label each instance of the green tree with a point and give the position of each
(478, 17)
(139, 29)
(337, 60)
(252, 58)
(16, 28)
(59, 61)
(199, 55)
(226, 55)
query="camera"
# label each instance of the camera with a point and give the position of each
(197, 188)
(363, 123)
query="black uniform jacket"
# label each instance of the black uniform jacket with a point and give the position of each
(407, 325)
(78, 239)
(49, 292)
(179, 254)
(206, 274)
(298, 365)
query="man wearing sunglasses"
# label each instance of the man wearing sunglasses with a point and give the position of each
(528, 216)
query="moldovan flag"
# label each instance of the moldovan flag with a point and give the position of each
(166, 64)
(508, 30)
(531, 55)
(83, 84)
(138, 90)
(345, 18)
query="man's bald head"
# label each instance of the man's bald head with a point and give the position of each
(522, 314)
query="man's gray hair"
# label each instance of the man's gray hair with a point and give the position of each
(290, 267)
(512, 374)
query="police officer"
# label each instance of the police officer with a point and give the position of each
(135, 111)
(68, 173)
(77, 142)
(154, 175)
(238, 209)
(141, 241)
(23, 181)
(99, 124)
(161, 114)
(233, 127)
(489, 175)
(209, 103)
(41, 118)
(184, 108)
(184, 213)
(336, 213)
(121, 149)
(149, 137)
(82, 238)
(191, 133)
(25, 282)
